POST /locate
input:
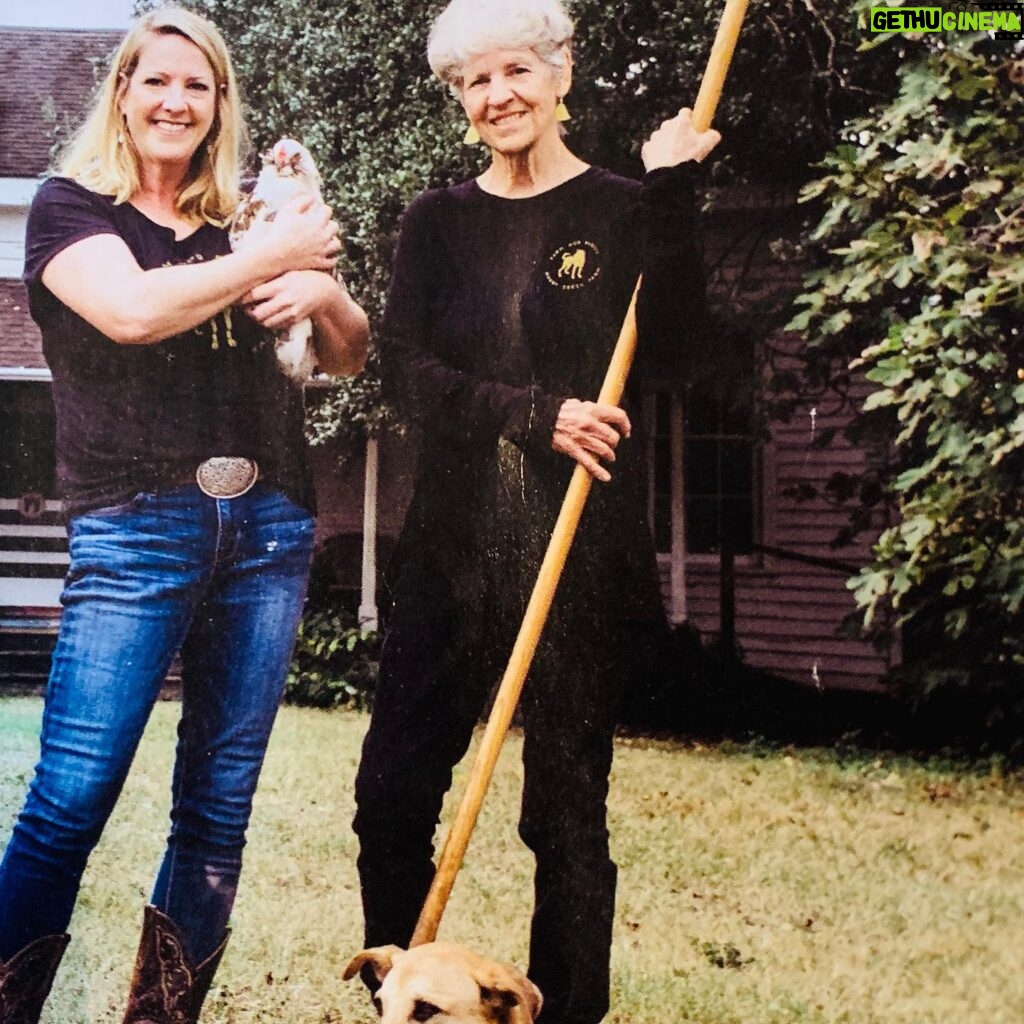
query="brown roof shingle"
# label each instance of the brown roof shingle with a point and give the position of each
(48, 74)
(20, 342)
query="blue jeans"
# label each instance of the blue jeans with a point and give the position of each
(221, 581)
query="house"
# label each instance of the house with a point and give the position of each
(785, 588)
(741, 555)
(48, 77)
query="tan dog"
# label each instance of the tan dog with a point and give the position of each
(444, 983)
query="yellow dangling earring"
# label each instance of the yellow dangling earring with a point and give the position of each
(472, 136)
(562, 112)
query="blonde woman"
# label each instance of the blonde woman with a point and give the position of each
(507, 296)
(180, 456)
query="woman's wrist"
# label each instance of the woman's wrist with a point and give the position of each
(263, 261)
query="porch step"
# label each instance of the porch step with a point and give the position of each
(26, 649)
(25, 652)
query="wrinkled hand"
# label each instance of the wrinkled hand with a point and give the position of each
(303, 236)
(676, 141)
(589, 432)
(285, 300)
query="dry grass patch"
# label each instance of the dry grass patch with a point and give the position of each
(756, 886)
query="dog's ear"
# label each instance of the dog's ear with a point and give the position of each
(508, 995)
(380, 959)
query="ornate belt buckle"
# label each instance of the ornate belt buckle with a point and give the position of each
(226, 476)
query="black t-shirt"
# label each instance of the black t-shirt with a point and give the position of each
(499, 310)
(134, 418)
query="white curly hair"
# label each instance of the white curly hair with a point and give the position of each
(466, 28)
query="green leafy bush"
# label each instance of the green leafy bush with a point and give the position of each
(921, 288)
(335, 662)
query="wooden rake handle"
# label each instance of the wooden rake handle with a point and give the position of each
(562, 536)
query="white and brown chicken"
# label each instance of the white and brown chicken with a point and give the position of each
(288, 171)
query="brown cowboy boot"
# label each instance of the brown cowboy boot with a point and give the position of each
(26, 978)
(166, 988)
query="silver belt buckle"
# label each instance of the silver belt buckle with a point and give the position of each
(226, 476)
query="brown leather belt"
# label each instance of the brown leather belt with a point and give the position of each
(226, 476)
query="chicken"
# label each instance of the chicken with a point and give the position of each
(288, 171)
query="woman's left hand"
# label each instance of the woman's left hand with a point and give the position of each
(676, 141)
(589, 432)
(285, 300)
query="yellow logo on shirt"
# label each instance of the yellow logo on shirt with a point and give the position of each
(217, 332)
(218, 327)
(573, 266)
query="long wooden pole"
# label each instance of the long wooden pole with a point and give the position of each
(562, 536)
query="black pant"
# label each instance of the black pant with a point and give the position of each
(438, 666)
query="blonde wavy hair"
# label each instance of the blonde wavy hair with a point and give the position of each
(103, 159)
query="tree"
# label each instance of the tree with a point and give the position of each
(921, 288)
(349, 78)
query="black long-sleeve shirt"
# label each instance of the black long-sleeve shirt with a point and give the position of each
(499, 310)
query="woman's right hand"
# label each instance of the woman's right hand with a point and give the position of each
(302, 236)
(589, 432)
(676, 141)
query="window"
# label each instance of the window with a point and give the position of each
(33, 543)
(716, 445)
(718, 471)
(26, 438)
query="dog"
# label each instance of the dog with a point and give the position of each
(444, 983)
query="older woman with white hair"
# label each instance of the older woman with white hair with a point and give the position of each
(181, 466)
(507, 296)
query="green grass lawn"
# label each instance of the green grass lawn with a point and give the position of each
(756, 886)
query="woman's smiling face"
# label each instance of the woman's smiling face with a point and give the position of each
(510, 97)
(170, 101)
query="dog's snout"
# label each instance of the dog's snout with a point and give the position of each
(444, 983)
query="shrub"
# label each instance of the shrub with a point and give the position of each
(921, 288)
(335, 662)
